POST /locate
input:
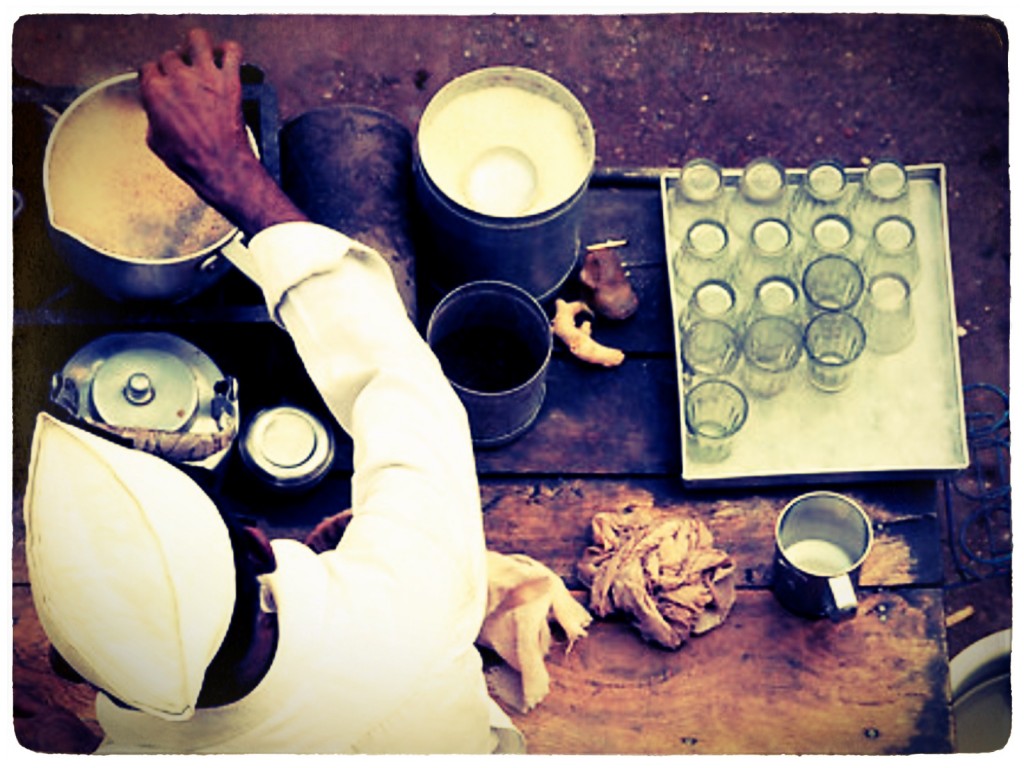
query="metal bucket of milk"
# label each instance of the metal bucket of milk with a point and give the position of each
(503, 159)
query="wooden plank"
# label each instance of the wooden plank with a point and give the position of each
(765, 682)
(549, 519)
(599, 421)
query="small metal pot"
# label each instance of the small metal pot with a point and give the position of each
(123, 277)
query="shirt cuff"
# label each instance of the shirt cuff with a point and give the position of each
(287, 254)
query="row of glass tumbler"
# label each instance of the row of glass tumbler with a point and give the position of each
(849, 250)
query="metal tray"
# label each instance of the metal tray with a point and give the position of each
(902, 414)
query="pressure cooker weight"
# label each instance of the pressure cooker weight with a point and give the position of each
(108, 187)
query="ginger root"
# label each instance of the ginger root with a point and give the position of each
(577, 337)
(608, 288)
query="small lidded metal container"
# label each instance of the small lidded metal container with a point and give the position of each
(155, 390)
(287, 447)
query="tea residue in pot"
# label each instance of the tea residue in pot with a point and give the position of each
(107, 188)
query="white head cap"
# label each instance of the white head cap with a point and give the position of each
(131, 568)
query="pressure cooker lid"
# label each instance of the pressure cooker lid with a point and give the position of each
(146, 388)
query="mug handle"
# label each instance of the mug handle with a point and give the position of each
(842, 598)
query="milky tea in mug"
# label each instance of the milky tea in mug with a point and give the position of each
(821, 540)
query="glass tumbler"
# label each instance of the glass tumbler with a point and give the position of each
(893, 248)
(762, 194)
(700, 194)
(712, 300)
(831, 233)
(887, 314)
(710, 348)
(769, 253)
(776, 297)
(834, 342)
(884, 191)
(704, 255)
(714, 412)
(823, 190)
(832, 283)
(772, 347)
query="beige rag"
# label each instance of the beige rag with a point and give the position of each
(666, 573)
(523, 596)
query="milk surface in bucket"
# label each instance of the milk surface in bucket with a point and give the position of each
(505, 151)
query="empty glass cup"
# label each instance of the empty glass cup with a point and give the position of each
(823, 190)
(893, 248)
(700, 194)
(762, 194)
(712, 300)
(884, 191)
(714, 412)
(769, 253)
(772, 347)
(832, 283)
(831, 233)
(834, 342)
(887, 314)
(776, 297)
(704, 255)
(710, 348)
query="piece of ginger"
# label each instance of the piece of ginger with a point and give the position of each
(577, 336)
(608, 287)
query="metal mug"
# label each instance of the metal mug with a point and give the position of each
(821, 541)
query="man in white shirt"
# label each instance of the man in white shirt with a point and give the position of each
(244, 645)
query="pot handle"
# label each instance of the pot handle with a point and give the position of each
(236, 252)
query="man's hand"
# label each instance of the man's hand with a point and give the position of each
(193, 98)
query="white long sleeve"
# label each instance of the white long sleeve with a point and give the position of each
(414, 469)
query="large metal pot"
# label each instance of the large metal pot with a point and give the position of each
(173, 273)
(503, 159)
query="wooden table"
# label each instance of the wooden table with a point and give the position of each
(765, 682)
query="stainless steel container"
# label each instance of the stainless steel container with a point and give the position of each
(287, 448)
(503, 159)
(493, 341)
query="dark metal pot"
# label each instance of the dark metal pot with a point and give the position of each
(170, 278)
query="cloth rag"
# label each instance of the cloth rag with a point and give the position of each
(665, 573)
(523, 597)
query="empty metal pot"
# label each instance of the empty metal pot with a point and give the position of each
(493, 341)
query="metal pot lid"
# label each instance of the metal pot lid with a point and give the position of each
(288, 446)
(145, 388)
(147, 382)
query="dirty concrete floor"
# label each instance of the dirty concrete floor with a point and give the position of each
(661, 90)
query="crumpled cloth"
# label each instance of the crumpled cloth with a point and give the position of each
(523, 596)
(665, 573)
